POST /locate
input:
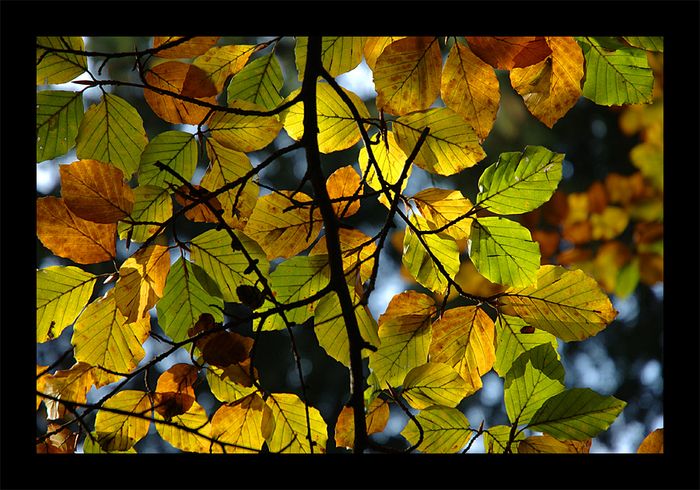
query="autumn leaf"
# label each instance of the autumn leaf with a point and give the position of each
(189, 432)
(649, 43)
(219, 348)
(496, 440)
(240, 426)
(61, 294)
(653, 442)
(506, 53)
(152, 205)
(61, 440)
(445, 430)
(339, 54)
(174, 390)
(187, 49)
(288, 413)
(345, 183)
(512, 341)
(72, 237)
(434, 383)
(58, 116)
(374, 46)
(67, 385)
(407, 75)
(174, 149)
(376, 419)
(59, 67)
(40, 383)
(357, 250)
(243, 132)
(260, 82)
(391, 160)
(545, 444)
(201, 212)
(119, 431)
(221, 62)
(442, 206)
(231, 383)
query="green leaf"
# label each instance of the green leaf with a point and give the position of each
(220, 62)
(290, 426)
(567, 304)
(511, 341)
(184, 299)
(58, 115)
(61, 294)
(112, 132)
(229, 268)
(496, 439)
(451, 145)
(421, 265)
(533, 377)
(650, 43)
(445, 430)
(118, 431)
(434, 383)
(260, 82)
(615, 73)
(56, 68)
(337, 128)
(151, 204)
(503, 251)
(175, 149)
(244, 132)
(576, 414)
(339, 54)
(520, 181)
(92, 446)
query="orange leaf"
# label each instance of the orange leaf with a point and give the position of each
(182, 79)
(376, 418)
(345, 183)
(174, 391)
(201, 213)
(506, 53)
(62, 442)
(653, 443)
(356, 247)
(220, 348)
(374, 46)
(188, 49)
(74, 238)
(96, 191)
(70, 385)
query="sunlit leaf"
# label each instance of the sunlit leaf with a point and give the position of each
(103, 337)
(152, 205)
(184, 300)
(174, 149)
(231, 383)
(553, 86)
(374, 46)
(205, 210)
(240, 425)
(219, 348)
(616, 74)
(58, 116)
(470, 88)
(174, 390)
(650, 43)
(496, 440)
(441, 206)
(337, 128)
(57, 67)
(68, 385)
(434, 383)
(545, 444)
(72, 237)
(260, 82)
(506, 53)
(61, 440)
(391, 161)
(187, 49)
(653, 443)
(189, 432)
(576, 414)
(61, 294)
(451, 145)
(503, 251)
(92, 446)
(512, 340)
(339, 54)
(445, 430)
(112, 132)
(283, 232)
(220, 62)
(407, 75)
(96, 191)
(244, 132)
(356, 249)
(119, 431)
(376, 419)
(520, 181)
(405, 333)
(344, 183)
(291, 431)
(567, 304)
(463, 339)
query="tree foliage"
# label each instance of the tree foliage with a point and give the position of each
(217, 260)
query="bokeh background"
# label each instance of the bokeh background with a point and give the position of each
(625, 360)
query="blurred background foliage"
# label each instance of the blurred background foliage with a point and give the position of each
(605, 218)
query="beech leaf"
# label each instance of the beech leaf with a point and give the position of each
(288, 413)
(61, 294)
(58, 116)
(445, 430)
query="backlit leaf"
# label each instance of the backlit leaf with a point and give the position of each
(69, 385)
(184, 300)
(219, 348)
(470, 88)
(496, 440)
(112, 132)
(376, 419)
(260, 82)
(283, 232)
(58, 116)
(566, 303)
(56, 68)
(118, 431)
(174, 391)
(553, 86)
(290, 427)
(506, 53)
(240, 425)
(356, 249)
(244, 132)
(616, 74)
(503, 251)
(441, 206)
(650, 43)
(405, 333)
(229, 268)
(374, 46)
(72, 237)
(152, 205)
(92, 446)
(345, 183)
(520, 181)
(231, 383)
(545, 444)
(533, 378)
(189, 432)
(187, 49)
(60, 440)
(576, 414)
(445, 430)
(391, 161)
(205, 210)
(451, 145)
(174, 149)
(339, 54)
(180, 79)
(61, 294)
(337, 128)
(653, 443)
(220, 62)
(511, 341)
(463, 339)
(434, 383)
(407, 75)
(96, 191)
(103, 337)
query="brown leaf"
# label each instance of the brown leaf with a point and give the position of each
(201, 213)
(62, 442)
(72, 237)
(545, 444)
(220, 348)
(70, 385)
(357, 249)
(345, 183)
(175, 391)
(96, 191)
(188, 49)
(506, 53)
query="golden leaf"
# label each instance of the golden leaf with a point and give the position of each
(192, 47)
(345, 183)
(506, 53)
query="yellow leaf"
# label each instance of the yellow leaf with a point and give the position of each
(142, 281)
(545, 444)
(118, 431)
(434, 383)
(356, 249)
(290, 434)
(151, 203)
(470, 88)
(231, 383)
(244, 132)
(283, 232)
(553, 86)
(496, 439)
(339, 54)
(96, 191)
(463, 338)
(445, 430)
(609, 224)
(653, 442)
(390, 159)
(240, 425)
(441, 206)
(506, 53)
(70, 385)
(72, 237)
(192, 47)
(189, 432)
(407, 75)
(220, 62)
(345, 183)
(174, 390)
(376, 419)
(103, 337)
(374, 46)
